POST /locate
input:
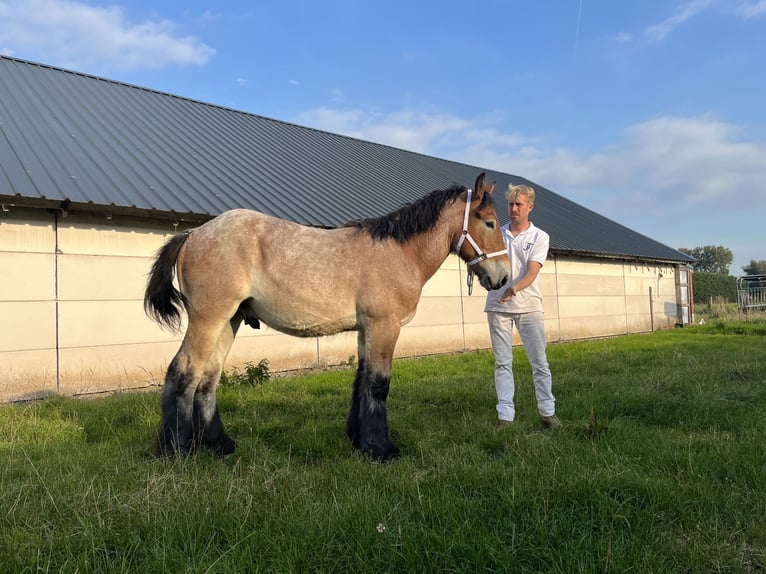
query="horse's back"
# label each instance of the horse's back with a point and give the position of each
(295, 278)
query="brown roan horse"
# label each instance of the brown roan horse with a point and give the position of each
(366, 276)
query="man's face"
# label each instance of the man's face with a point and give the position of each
(519, 208)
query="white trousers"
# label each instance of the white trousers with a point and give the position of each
(531, 328)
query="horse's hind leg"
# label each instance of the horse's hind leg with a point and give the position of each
(207, 425)
(175, 432)
(186, 371)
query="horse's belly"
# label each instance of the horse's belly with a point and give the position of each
(307, 324)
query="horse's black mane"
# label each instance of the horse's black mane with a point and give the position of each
(411, 218)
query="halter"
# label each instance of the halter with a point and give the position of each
(481, 256)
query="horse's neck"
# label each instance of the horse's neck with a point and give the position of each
(431, 248)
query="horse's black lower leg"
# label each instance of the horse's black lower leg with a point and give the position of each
(352, 424)
(175, 433)
(207, 426)
(367, 425)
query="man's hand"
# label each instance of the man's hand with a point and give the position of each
(507, 294)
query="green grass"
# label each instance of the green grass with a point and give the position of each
(660, 467)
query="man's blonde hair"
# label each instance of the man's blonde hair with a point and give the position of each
(514, 191)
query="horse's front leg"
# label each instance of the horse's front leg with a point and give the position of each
(367, 425)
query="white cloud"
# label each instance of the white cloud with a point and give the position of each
(408, 130)
(752, 9)
(684, 181)
(438, 134)
(684, 12)
(73, 34)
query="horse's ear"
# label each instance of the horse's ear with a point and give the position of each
(481, 187)
(477, 187)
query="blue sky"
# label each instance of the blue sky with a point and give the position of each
(649, 112)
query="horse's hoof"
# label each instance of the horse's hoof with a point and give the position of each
(164, 448)
(161, 450)
(225, 446)
(392, 454)
(164, 451)
(381, 453)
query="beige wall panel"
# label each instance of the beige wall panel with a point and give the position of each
(27, 374)
(96, 323)
(591, 306)
(638, 323)
(551, 307)
(639, 285)
(95, 235)
(27, 231)
(338, 349)
(593, 326)
(102, 278)
(552, 334)
(590, 286)
(453, 263)
(637, 304)
(477, 336)
(473, 307)
(27, 276)
(647, 270)
(665, 321)
(283, 352)
(444, 283)
(665, 289)
(428, 340)
(27, 326)
(548, 286)
(110, 368)
(437, 311)
(579, 266)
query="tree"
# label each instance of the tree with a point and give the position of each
(711, 258)
(755, 267)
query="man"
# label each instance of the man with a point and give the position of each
(521, 304)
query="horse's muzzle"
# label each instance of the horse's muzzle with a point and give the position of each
(486, 282)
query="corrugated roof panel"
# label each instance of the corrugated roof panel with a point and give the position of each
(89, 140)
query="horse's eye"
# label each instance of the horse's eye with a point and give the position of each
(490, 223)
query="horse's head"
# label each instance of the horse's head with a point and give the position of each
(481, 244)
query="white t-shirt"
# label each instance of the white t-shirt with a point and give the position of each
(529, 245)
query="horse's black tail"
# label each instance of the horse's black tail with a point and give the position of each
(162, 301)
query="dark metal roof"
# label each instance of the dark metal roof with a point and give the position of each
(104, 145)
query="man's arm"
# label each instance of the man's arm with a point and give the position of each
(533, 268)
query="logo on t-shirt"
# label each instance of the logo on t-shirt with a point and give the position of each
(528, 246)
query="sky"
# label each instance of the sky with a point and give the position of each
(649, 112)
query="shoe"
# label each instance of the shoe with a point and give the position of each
(551, 422)
(501, 424)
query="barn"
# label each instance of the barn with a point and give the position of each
(95, 175)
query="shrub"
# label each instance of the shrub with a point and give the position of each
(714, 286)
(253, 374)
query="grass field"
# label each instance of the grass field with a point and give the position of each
(660, 467)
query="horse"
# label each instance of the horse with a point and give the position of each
(309, 281)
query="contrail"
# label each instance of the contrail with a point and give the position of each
(577, 32)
